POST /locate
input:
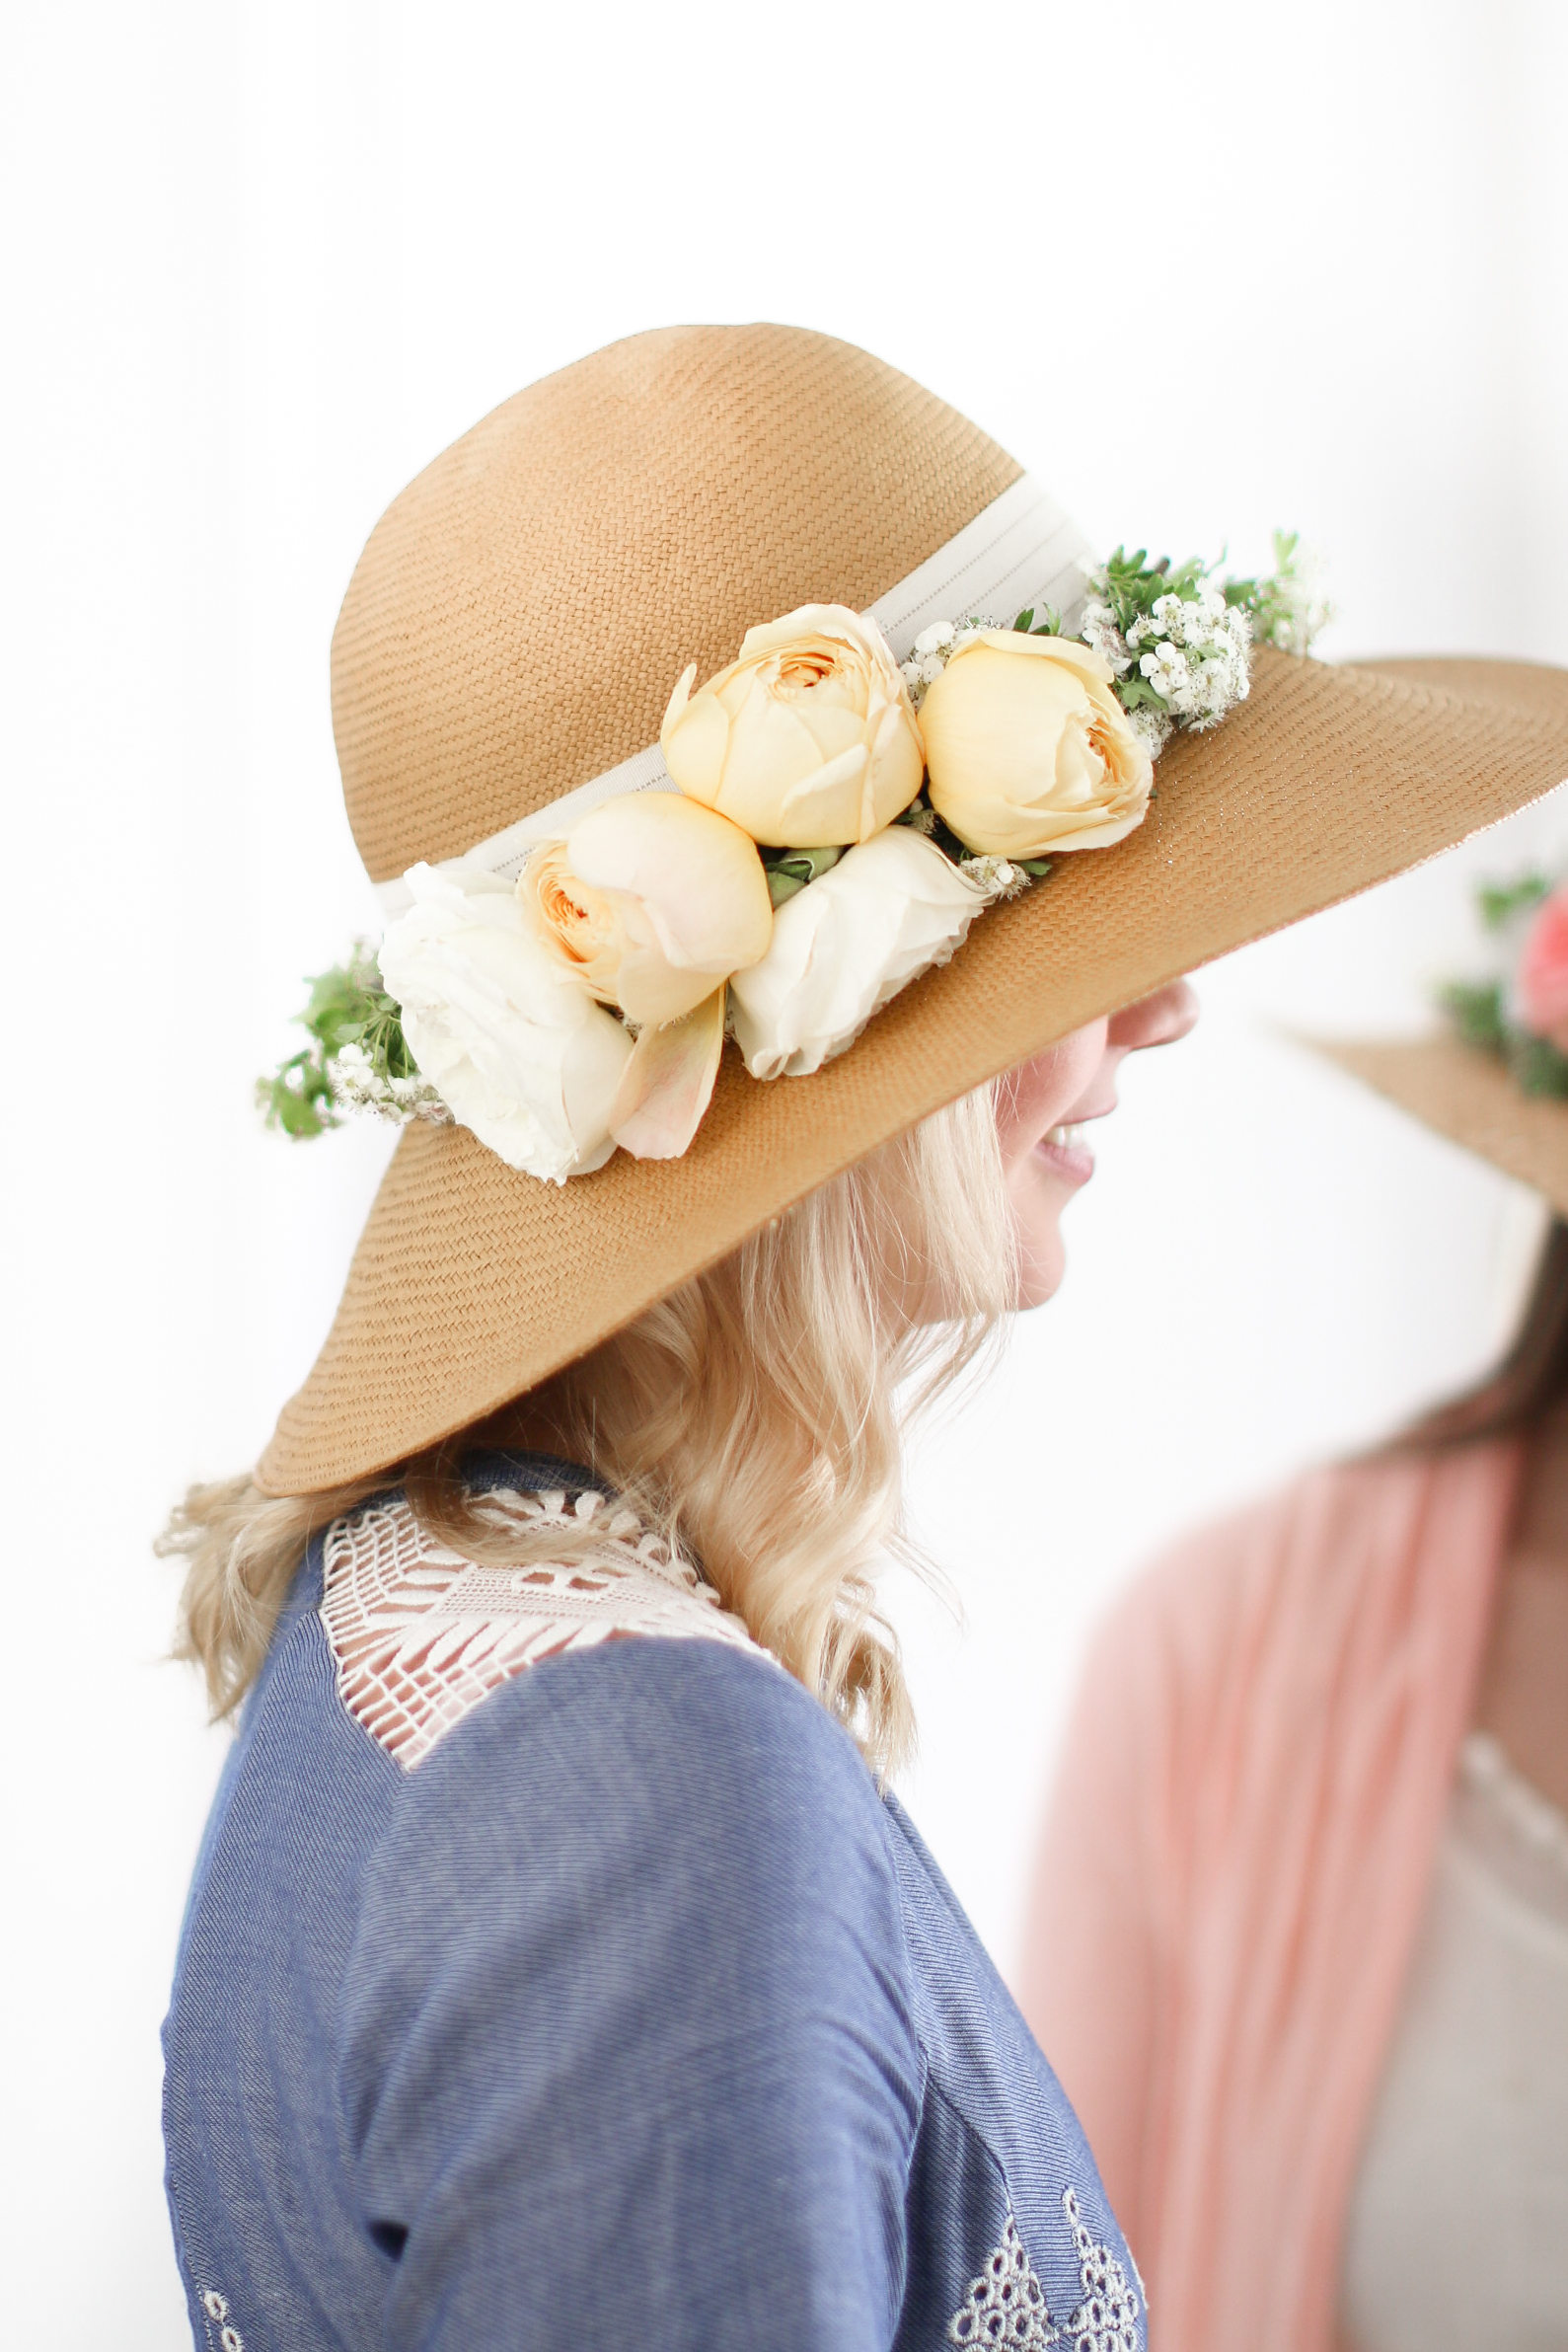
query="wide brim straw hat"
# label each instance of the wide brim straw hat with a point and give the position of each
(513, 631)
(1469, 1096)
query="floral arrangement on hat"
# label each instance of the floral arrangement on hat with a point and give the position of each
(833, 823)
(1520, 1012)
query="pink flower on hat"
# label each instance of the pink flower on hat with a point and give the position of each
(1543, 972)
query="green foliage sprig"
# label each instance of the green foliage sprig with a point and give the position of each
(1497, 903)
(1286, 606)
(1048, 625)
(348, 1005)
(1537, 1065)
(1164, 627)
(1479, 1009)
(1132, 586)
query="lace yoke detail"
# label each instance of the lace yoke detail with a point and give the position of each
(419, 1635)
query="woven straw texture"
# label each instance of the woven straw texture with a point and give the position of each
(521, 612)
(514, 627)
(1471, 1098)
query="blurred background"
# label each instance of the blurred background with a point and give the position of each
(1204, 271)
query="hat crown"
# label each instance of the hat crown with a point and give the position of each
(523, 609)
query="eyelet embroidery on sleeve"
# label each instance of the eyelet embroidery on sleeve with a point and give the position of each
(1106, 2320)
(419, 1635)
(216, 2307)
(1006, 2305)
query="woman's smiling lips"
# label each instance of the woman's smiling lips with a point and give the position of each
(1063, 1150)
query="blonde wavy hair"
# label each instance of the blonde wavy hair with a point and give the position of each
(755, 1417)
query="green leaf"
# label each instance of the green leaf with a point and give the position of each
(1477, 1009)
(1538, 1065)
(1132, 586)
(790, 871)
(1498, 902)
(346, 1006)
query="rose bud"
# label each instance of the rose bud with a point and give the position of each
(1028, 749)
(809, 740)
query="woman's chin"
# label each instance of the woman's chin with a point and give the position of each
(1038, 1193)
(1042, 1262)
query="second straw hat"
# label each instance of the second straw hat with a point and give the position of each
(1495, 1079)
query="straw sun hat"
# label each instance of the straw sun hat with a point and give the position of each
(513, 632)
(1471, 1098)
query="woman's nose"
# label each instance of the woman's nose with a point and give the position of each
(1157, 1019)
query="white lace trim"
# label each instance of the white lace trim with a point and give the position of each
(1006, 2305)
(421, 1635)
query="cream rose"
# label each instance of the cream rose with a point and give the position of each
(842, 946)
(809, 740)
(1028, 748)
(501, 1026)
(653, 900)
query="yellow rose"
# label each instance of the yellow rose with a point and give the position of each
(808, 741)
(1028, 749)
(652, 900)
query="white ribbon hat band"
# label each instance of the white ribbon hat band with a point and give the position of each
(1021, 548)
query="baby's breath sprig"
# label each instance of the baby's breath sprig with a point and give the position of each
(1178, 648)
(1179, 639)
(1286, 606)
(357, 1060)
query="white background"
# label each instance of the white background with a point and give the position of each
(1204, 269)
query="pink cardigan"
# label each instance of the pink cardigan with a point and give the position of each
(1235, 1867)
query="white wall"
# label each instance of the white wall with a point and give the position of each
(1203, 269)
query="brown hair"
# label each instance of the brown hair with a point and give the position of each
(1531, 1378)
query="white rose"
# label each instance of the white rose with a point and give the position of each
(809, 740)
(1028, 749)
(511, 1037)
(653, 900)
(845, 944)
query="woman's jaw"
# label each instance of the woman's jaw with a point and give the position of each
(1042, 1110)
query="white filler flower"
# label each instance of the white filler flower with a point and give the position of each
(890, 909)
(511, 1037)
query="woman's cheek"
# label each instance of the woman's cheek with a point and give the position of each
(1040, 1094)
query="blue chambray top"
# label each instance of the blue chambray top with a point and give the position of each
(631, 2016)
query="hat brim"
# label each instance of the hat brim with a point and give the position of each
(1469, 1096)
(473, 1283)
